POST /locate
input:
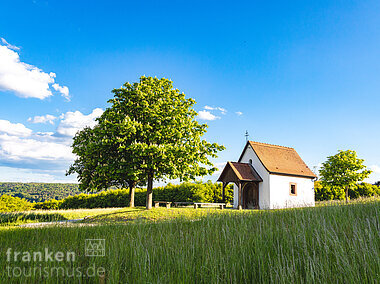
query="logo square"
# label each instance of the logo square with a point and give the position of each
(95, 247)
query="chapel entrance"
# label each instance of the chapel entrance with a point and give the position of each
(247, 181)
(251, 196)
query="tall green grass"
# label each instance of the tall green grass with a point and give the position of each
(331, 244)
(35, 216)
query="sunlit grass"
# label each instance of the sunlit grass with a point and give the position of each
(343, 202)
(330, 244)
(17, 218)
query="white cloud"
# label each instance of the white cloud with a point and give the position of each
(43, 119)
(13, 148)
(41, 156)
(14, 129)
(375, 175)
(222, 110)
(25, 80)
(10, 46)
(375, 169)
(220, 166)
(74, 121)
(239, 113)
(206, 115)
(9, 174)
(63, 90)
(21, 147)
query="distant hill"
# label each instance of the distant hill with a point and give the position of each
(37, 192)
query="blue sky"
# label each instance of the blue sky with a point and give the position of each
(303, 74)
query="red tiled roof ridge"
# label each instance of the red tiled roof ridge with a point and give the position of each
(269, 145)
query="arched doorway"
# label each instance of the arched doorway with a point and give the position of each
(251, 196)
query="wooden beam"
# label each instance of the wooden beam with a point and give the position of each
(239, 196)
(223, 192)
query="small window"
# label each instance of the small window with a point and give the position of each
(293, 189)
(250, 161)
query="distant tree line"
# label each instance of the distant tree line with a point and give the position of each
(39, 192)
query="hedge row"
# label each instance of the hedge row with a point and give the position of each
(188, 192)
(330, 193)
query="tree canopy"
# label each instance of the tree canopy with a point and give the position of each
(343, 170)
(149, 132)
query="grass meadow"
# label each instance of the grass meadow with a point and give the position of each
(331, 243)
(17, 218)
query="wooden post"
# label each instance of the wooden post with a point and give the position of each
(239, 196)
(223, 192)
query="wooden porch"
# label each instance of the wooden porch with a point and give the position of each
(247, 181)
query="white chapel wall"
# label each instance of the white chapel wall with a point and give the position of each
(280, 192)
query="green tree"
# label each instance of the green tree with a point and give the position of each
(167, 139)
(151, 134)
(343, 170)
(100, 163)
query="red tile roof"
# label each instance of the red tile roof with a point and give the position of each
(280, 160)
(241, 171)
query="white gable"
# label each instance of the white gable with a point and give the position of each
(264, 196)
(274, 190)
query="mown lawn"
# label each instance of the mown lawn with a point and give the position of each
(327, 244)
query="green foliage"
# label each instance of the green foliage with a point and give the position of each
(342, 171)
(364, 189)
(186, 192)
(161, 123)
(11, 204)
(37, 192)
(326, 192)
(51, 204)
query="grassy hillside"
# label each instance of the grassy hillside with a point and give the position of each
(38, 192)
(329, 244)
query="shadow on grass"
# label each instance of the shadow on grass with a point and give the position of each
(13, 218)
(127, 214)
(153, 215)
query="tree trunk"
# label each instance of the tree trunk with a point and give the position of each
(346, 194)
(149, 192)
(131, 195)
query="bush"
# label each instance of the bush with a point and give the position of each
(51, 204)
(186, 192)
(332, 192)
(10, 204)
(364, 189)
